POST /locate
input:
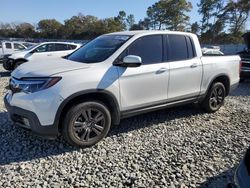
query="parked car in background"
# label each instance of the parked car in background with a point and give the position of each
(116, 76)
(245, 57)
(9, 47)
(212, 52)
(42, 51)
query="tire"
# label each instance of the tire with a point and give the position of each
(6, 65)
(214, 98)
(17, 64)
(86, 124)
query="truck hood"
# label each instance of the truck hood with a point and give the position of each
(46, 68)
(20, 54)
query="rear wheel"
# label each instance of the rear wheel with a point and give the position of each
(215, 98)
(86, 124)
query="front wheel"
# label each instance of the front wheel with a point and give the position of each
(214, 98)
(86, 124)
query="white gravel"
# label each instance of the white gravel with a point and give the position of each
(178, 147)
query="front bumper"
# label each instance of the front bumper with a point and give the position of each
(29, 120)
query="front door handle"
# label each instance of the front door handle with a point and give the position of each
(161, 70)
(194, 65)
(49, 55)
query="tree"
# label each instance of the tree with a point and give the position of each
(121, 19)
(7, 29)
(195, 28)
(25, 30)
(130, 20)
(49, 28)
(209, 9)
(169, 14)
(238, 13)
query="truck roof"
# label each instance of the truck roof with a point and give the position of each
(142, 32)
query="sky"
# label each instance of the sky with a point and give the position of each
(34, 10)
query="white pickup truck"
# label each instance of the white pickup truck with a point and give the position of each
(9, 47)
(115, 76)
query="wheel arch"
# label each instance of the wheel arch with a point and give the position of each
(20, 59)
(224, 79)
(106, 97)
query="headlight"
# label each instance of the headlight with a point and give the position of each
(31, 85)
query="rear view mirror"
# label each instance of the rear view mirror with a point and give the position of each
(131, 61)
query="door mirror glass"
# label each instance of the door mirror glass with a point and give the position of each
(131, 61)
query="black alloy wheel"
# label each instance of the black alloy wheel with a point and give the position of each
(86, 124)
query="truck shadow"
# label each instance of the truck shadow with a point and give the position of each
(219, 181)
(242, 90)
(19, 145)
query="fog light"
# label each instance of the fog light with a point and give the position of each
(26, 122)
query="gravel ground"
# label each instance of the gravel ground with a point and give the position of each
(179, 147)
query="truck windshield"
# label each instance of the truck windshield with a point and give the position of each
(98, 49)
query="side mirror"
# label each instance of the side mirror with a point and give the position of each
(131, 61)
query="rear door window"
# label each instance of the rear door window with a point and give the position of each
(61, 47)
(177, 48)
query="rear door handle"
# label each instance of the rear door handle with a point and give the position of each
(194, 65)
(49, 55)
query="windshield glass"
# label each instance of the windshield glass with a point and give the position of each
(99, 49)
(31, 47)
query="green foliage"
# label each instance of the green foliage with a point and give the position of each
(49, 28)
(237, 14)
(195, 28)
(223, 22)
(169, 14)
